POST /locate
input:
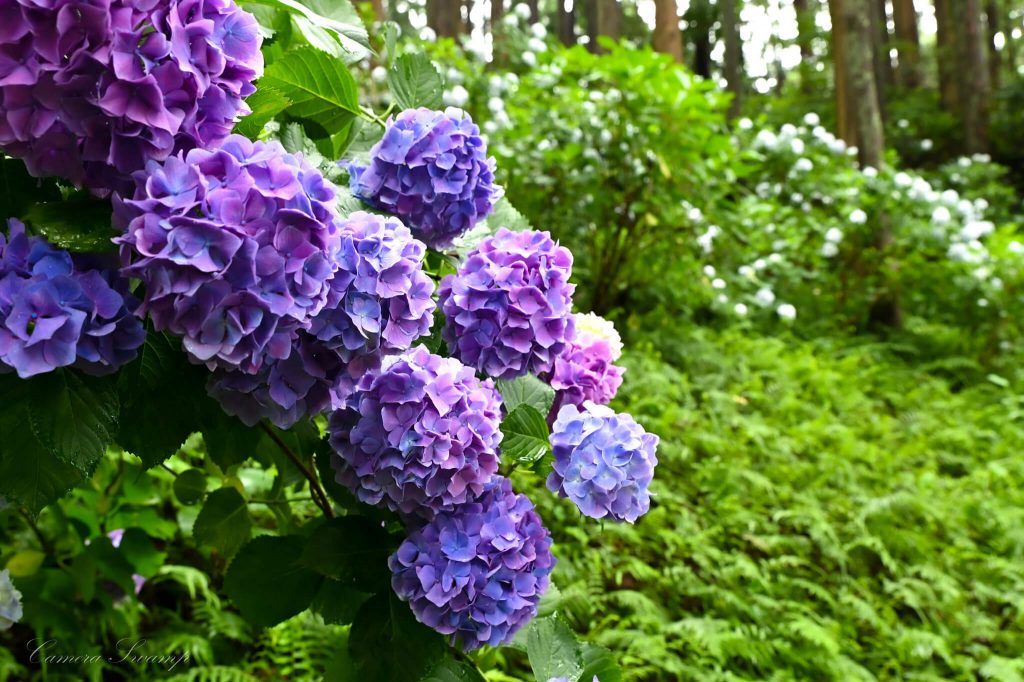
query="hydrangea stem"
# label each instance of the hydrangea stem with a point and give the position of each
(317, 492)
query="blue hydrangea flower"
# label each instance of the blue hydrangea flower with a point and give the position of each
(91, 91)
(431, 170)
(478, 572)
(10, 602)
(508, 309)
(603, 462)
(236, 247)
(56, 311)
(420, 436)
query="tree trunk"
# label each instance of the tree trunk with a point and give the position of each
(805, 22)
(609, 19)
(590, 16)
(445, 17)
(733, 68)
(857, 17)
(566, 22)
(974, 84)
(995, 56)
(946, 51)
(908, 43)
(534, 10)
(846, 129)
(882, 63)
(667, 36)
(497, 13)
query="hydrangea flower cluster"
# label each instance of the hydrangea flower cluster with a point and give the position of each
(584, 370)
(379, 302)
(477, 574)
(236, 246)
(10, 602)
(603, 462)
(420, 436)
(508, 309)
(380, 298)
(431, 170)
(590, 324)
(56, 312)
(91, 91)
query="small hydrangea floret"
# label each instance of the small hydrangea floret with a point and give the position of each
(478, 573)
(431, 169)
(57, 310)
(236, 247)
(91, 91)
(420, 436)
(603, 462)
(584, 371)
(508, 308)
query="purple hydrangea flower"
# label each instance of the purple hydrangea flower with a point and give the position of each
(380, 298)
(604, 462)
(56, 312)
(379, 303)
(584, 371)
(311, 380)
(431, 170)
(236, 247)
(476, 573)
(508, 309)
(420, 436)
(92, 90)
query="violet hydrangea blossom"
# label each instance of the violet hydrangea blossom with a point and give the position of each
(584, 371)
(603, 462)
(380, 302)
(56, 311)
(420, 436)
(508, 308)
(236, 247)
(431, 170)
(91, 91)
(477, 573)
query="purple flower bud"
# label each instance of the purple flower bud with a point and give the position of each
(604, 462)
(478, 572)
(431, 170)
(420, 436)
(236, 247)
(91, 91)
(55, 312)
(508, 309)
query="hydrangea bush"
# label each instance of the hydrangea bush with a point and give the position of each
(399, 364)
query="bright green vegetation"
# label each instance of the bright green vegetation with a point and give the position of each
(824, 510)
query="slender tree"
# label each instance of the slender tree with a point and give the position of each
(609, 19)
(700, 18)
(566, 22)
(534, 6)
(908, 43)
(667, 36)
(878, 32)
(445, 17)
(975, 90)
(946, 53)
(846, 128)
(994, 19)
(497, 12)
(806, 28)
(733, 55)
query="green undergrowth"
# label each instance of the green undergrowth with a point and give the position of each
(821, 513)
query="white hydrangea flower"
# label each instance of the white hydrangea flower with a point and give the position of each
(456, 97)
(797, 146)
(745, 124)
(803, 165)
(530, 59)
(858, 217)
(786, 311)
(982, 302)
(788, 130)
(722, 299)
(766, 139)
(764, 297)
(903, 180)
(747, 271)
(522, 11)
(595, 326)
(379, 74)
(427, 34)
(773, 258)
(760, 264)
(1015, 247)
(927, 145)
(812, 119)
(941, 215)
(951, 196)
(709, 270)
(903, 123)
(829, 250)
(977, 229)
(834, 235)
(740, 309)
(537, 45)
(10, 602)
(496, 104)
(718, 283)
(870, 172)
(539, 31)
